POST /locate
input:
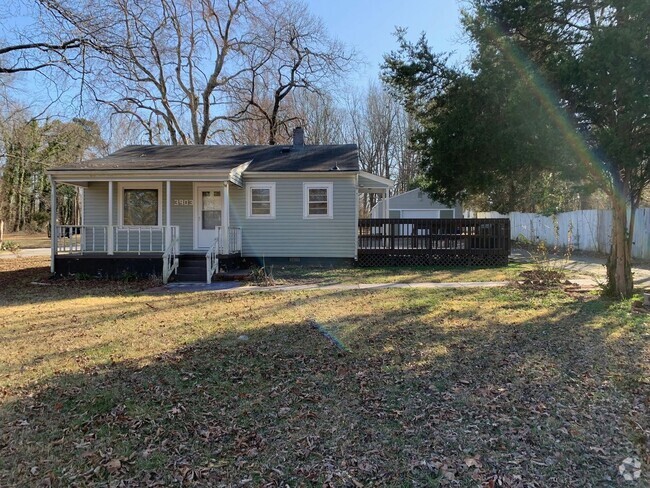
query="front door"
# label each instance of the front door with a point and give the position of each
(208, 215)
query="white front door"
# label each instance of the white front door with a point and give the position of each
(209, 203)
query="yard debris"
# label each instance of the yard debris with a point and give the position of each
(505, 387)
(630, 469)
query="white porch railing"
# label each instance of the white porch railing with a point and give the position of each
(170, 256)
(104, 239)
(226, 241)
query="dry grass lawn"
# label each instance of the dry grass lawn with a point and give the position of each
(28, 240)
(102, 384)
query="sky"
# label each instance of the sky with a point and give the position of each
(368, 27)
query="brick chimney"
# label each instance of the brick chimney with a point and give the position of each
(298, 137)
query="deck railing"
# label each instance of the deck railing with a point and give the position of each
(104, 239)
(434, 240)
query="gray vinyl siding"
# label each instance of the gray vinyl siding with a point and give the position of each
(96, 205)
(413, 200)
(291, 235)
(183, 215)
(288, 235)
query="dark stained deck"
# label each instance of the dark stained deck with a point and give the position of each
(433, 242)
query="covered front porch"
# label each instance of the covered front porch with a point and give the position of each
(146, 227)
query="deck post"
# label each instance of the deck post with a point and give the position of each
(53, 229)
(110, 234)
(168, 214)
(225, 219)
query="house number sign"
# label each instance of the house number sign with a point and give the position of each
(183, 203)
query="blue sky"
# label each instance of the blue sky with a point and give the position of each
(368, 26)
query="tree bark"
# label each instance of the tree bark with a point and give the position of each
(619, 269)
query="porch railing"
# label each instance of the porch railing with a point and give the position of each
(170, 256)
(226, 241)
(104, 239)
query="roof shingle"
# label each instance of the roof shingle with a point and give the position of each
(321, 158)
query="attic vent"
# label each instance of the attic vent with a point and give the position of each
(285, 150)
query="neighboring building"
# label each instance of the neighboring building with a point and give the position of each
(195, 205)
(415, 204)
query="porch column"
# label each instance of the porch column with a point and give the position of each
(109, 235)
(386, 209)
(54, 230)
(168, 213)
(225, 217)
(81, 219)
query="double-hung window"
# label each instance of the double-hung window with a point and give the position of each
(140, 204)
(317, 201)
(260, 200)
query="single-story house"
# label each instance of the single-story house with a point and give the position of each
(184, 209)
(415, 204)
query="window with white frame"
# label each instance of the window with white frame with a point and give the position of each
(140, 204)
(317, 200)
(260, 200)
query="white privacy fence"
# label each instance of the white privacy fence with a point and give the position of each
(589, 230)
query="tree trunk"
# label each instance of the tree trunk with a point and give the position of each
(619, 270)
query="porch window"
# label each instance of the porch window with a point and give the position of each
(140, 204)
(260, 200)
(318, 200)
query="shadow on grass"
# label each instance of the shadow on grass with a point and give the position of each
(430, 383)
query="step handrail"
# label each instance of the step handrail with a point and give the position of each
(212, 257)
(170, 256)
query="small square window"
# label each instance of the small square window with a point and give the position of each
(318, 200)
(261, 200)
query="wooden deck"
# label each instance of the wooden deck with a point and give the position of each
(433, 242)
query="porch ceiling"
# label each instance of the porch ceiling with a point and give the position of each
(369, 183)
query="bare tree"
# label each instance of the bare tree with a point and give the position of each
(168, 64)
(381, 128)
(296, 55)
(322, 119)
(30, 47)
(187, 70)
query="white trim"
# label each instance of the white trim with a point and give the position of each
(225, 216)
(329, 186)
(249, 199)
(110, 244)
(377, 179)
(134, 185)
(357, 196)
(208, 176)
(53, 230)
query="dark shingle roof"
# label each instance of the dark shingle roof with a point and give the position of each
(261, 158)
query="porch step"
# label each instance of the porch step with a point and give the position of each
(191, 269)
